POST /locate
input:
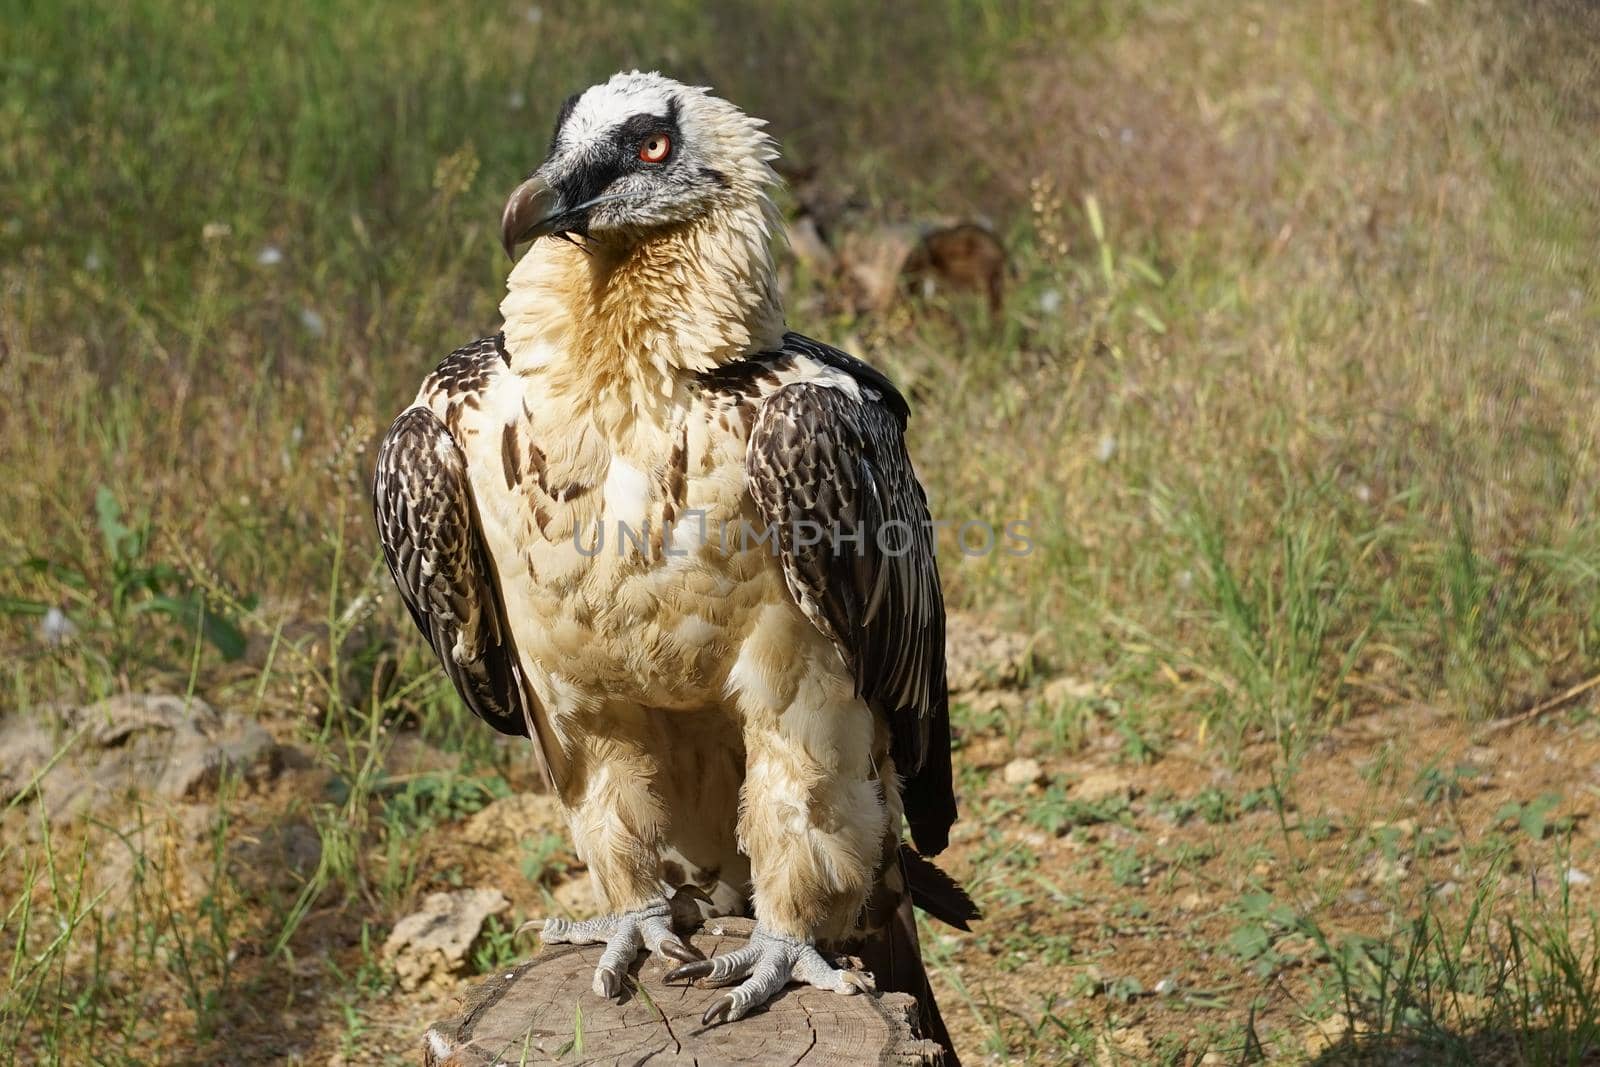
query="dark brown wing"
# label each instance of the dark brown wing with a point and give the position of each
(828, 466)
(428, 524)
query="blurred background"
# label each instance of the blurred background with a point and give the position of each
(1278, 323)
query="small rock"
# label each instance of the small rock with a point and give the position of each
(1300, 948)
(1326, 1034)
(1166, 987)
(55, 628)
(980, 657)
(1023, 772)
(99, 757)
(199, 764)
(510, 820)
(1059, 691)
(1192, 901)
(1382, 871)
(431, 945)
(1577, 877)
(1405, 828)
(1097, 786)
(996, 702)
(1128, 1045)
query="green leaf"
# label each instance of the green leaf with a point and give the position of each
(1149, 318)
(51, 569)
(1144, 270)
(1249, 941)
(10, 605)
(1097, 226)
(190, 611)
(112, 529)
(1535, 815)
(224, 636)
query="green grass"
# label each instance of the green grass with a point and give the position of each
(1296, 386)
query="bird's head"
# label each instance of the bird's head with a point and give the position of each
(637, 154)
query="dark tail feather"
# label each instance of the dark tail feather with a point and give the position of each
(935, 892)
(894, 957)
(928, 799)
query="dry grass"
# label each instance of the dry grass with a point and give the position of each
(1295, 384)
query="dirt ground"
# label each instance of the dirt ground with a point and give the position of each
(1142, 900)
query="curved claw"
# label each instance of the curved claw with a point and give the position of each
(691, 970)
(681, 951)
(720, 1010)
(607, 983)
(856, 982)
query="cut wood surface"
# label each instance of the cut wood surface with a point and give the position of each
(544, 1011)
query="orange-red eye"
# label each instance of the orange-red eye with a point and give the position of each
(655, 148)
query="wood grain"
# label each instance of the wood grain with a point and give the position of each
(543, 1011)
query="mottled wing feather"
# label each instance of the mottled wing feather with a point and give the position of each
(830, 475)
(428, 525)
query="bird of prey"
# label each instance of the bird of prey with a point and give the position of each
(684, 551)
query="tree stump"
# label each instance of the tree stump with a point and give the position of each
(544, 1011)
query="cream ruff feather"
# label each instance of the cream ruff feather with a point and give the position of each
(615, 327)
(566, 510)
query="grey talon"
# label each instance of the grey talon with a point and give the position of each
(682, 952)
(609, 982)
(690, 971)
(719, 1010)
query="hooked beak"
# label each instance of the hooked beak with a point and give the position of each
(535, 210)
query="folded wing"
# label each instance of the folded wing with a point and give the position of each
(830, 475)
(428, 525)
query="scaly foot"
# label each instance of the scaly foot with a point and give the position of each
(768, 963)
(623, 934)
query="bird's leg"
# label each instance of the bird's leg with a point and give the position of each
(812, 821)
(617, 821)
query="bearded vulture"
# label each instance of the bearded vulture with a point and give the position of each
(685, 553)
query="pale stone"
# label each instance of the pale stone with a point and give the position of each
(1098, 786)
(431, 945)
(1022, 772)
